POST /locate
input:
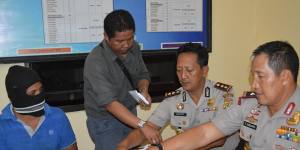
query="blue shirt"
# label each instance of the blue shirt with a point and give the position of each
(54, 133)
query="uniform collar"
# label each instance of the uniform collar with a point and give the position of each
(294, 99)
(202, 100)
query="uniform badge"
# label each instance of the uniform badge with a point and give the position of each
(254, 113)
(227, 100)
(179, 130)
(294, 120)
(211, 102)
(207, 92)
(180, 106)
(289, 109)
(184, 96)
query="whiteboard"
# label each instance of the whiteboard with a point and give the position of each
(36, 29)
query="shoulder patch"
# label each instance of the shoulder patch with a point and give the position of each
(172, 93)
(246, 94)
(222, 86)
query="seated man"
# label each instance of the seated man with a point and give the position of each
(28, 122)
(271, 121)
(198, 101)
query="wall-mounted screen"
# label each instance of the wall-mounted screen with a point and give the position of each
(35, 30)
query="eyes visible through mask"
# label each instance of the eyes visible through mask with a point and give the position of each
(34, 89)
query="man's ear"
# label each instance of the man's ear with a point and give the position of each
(286, 76)
(205, 70)
(106, 37)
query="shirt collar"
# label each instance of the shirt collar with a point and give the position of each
(7, 112)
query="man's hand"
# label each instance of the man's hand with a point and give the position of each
(143, 86)
(151, 134)
(147, 96)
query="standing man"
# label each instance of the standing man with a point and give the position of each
(112, 69)
(270, 122)
(198, 101)
(28, 122)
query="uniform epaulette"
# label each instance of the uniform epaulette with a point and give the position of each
(222, 86)
(172, 93)
(249, 94)
(246, 94)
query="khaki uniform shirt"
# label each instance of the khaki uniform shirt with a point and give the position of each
(182, 113)
(279, 132)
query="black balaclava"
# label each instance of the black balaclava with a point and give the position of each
(18, 79)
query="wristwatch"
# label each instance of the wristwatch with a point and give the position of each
(141, 123)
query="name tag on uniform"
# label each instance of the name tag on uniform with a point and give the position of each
(179, 114)
(250, 125)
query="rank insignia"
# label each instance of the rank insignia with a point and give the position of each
(172, 93)
(246, 94)
(180, 106)
(222, 86)
(294, 120)
(249, 94)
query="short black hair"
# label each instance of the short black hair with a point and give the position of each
(118, 21)
(197, 49)
(281, 56)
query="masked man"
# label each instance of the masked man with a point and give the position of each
(28, 122)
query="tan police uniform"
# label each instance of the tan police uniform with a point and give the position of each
(279, 132)
(182, 113)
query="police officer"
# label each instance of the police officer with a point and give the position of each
(198, 100)
(269, 121)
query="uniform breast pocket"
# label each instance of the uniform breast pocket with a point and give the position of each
(180, 119)
(247, 130)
